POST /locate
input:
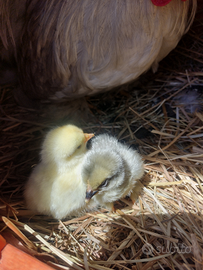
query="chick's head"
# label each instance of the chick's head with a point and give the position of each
(64, 144)
(102, 172)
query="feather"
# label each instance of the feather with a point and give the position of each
(69, 49)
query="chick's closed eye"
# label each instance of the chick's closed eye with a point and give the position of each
(104, 183)
(79, 146)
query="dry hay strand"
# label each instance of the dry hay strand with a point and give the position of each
(164, 228)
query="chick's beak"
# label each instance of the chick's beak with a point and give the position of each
(88, 136)
(89, 195)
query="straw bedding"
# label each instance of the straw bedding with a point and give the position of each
(164, 228)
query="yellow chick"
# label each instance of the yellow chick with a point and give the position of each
(55, 186)
(110, 171)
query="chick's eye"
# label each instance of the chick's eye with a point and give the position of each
(105, 183)
(79, 146)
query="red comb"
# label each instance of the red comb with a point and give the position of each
(161, 3)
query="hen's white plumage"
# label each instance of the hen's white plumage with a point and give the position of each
(68, 49)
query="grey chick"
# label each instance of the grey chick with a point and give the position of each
(110, 171)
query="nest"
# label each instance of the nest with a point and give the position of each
(161, 116)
